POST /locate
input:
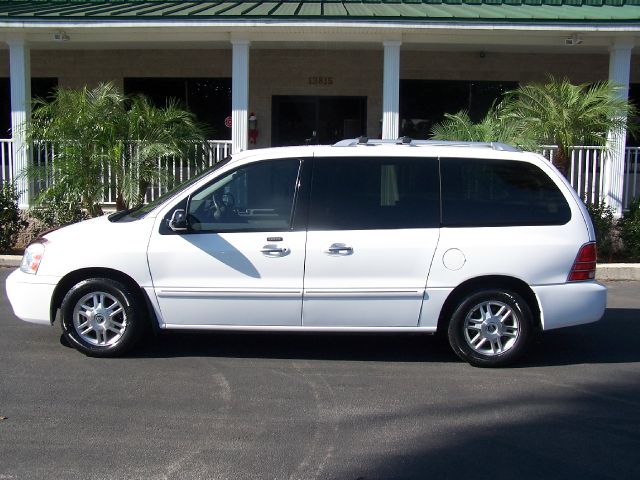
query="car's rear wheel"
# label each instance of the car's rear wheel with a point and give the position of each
(491, 328)
(101, 317)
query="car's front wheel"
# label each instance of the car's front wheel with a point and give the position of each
(491, 328)
(101, 317)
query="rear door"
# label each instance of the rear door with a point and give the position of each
(373, 229)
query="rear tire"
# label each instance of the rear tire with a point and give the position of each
(100, 317)
(491, 328)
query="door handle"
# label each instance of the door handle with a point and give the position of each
(339, 249)
(274, 251)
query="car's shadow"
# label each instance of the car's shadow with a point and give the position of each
(615, 339)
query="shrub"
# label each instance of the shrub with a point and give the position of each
(52, 211)
(604, 224)
(629, 227)
(10, 221)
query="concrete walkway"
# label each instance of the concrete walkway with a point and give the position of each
(605, 271)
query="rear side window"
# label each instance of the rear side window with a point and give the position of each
(374, 193)
(478, 192)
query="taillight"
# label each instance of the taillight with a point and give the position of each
(584, 268)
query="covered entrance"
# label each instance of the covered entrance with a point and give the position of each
(311, 120)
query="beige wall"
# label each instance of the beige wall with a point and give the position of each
(287, 72)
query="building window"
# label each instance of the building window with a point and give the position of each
(208, 98)
(40, 87)
(423, 103)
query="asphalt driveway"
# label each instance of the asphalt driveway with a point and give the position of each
(344, 407)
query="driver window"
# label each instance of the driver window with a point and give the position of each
(256, 197)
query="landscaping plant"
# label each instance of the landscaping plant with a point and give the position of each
(10, 221)
(494, 127)
(604, 225)
(560, 113)
(629, 226)
(100, 130)
(552, 113)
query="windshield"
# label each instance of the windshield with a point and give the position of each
(139, 212)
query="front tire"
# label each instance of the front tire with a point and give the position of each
(491, 328)
(100, 317)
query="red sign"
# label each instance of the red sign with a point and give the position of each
(227, 122)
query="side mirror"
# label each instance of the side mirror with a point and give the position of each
(178, 222)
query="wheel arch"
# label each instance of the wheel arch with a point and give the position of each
(72, 278)
(489, 282)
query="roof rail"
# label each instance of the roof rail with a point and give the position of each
(364, 141)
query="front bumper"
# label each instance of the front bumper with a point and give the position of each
(571, 303)
(30, 296)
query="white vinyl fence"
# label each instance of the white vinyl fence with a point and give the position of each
(179, 168)
(6, 159)
(587, 172)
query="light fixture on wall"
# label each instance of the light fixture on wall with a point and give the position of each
(572, 40)
(61, 36)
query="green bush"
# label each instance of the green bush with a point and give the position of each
(604, 224)
(629, 227)
(10, 221)
(52, 211)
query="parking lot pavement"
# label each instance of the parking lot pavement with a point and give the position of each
(232, 406)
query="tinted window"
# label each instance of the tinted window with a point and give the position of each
(380, 193)
(257, 197)
(478, 192)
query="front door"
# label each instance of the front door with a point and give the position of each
(309, 120)
(239, 263)
(373, 231)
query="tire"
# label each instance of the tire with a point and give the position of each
(100, 317)
(491, 328)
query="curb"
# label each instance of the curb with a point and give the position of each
(10, 260)
(618, 271)
(604, 271)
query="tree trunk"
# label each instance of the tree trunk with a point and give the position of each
(561, 161)
(120, 204)
(142, 190)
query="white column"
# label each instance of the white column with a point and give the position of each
(391, 91)
(240, 95)
(20, 79)
(619, 71)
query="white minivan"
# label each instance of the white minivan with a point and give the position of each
(481, 241)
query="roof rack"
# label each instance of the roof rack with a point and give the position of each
(364, 141)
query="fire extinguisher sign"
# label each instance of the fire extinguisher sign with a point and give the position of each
(227, 122)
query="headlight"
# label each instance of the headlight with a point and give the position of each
(32, 258)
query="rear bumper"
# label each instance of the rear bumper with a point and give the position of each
(30, 296)
(571, 304)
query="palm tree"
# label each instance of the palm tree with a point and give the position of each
(95, 129)
(494, 127)
(156, 134)
(559, 113)
(84, 124)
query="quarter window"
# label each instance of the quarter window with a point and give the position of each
(257, 197)
(374, 193)
(477, 192)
